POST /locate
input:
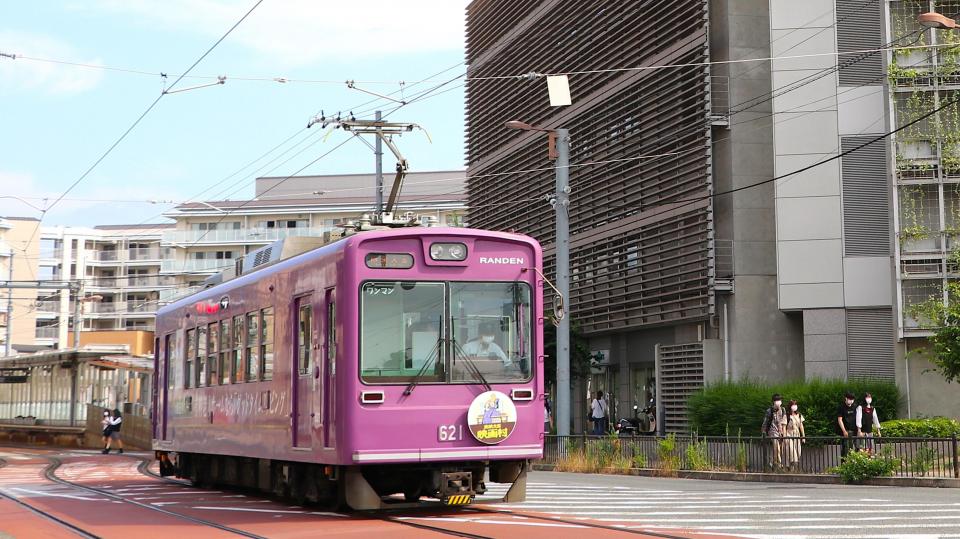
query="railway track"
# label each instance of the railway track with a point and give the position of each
(49, 473)
(44, 514)
(585, 524)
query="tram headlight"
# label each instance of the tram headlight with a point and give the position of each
(448, 251)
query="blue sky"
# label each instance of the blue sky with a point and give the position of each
(58, 119)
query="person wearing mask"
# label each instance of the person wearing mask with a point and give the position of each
(105, 427)
(115, 422)
(847, 424)
(484, 345)
(794, 436)
(774, 421)
(598, 413)
(547, 417)
(867, 421)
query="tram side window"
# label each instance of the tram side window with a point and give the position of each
(173, 359)
(225, 351)
(191, 349)
(304, 340)
(253, 348)
(266, 343)
(237, 351)
(201, 357)
(213, 342)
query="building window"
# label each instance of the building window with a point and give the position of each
(266, 343)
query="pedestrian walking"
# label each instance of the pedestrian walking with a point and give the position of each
(868, 423)
(598, 413)
(105, 427)
(795, 436)
(116, 421)
(774, 422)
(547, 417)
(847, 424)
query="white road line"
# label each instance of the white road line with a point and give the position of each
(57, 495)
(507, 522)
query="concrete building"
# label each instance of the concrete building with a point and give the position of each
(119, 264)
(209, 237)
(689, 262)
(19, 250)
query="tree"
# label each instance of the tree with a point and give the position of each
(943, 319)
(579, 354)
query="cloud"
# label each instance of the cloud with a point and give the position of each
(293, 33)
(26, 75)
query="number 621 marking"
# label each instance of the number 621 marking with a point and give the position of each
(450, 433)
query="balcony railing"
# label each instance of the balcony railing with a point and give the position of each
(47, 306)
(131, 255)
(131, 281)
(117, 307)
(193, 265)
(239, 235)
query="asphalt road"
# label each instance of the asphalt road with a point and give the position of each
(760, 510)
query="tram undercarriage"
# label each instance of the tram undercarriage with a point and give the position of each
(361, 488)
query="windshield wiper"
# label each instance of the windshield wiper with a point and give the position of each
(471, 366)
(431, 359)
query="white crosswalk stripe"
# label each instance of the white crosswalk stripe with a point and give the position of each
(753, 513)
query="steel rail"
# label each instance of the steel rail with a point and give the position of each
(44, 514)
(55, 462)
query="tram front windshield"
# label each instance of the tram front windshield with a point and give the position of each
(433, 332)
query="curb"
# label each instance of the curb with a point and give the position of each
(930, 482)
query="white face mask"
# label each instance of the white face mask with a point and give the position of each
(486, 339)
(869, 401)
(777, 404)
(793, 408)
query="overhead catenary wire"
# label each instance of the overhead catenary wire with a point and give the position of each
(152, 105)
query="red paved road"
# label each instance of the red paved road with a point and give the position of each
(106, 516)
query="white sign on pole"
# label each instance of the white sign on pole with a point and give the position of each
(559, 88)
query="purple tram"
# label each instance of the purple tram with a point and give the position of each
(398, 362)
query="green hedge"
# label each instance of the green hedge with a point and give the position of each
(933, 427)
(729, 408)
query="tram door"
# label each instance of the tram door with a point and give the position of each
(329, 367)
(163, 389)
(303, 376)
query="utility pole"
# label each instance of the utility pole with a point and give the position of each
(378, 151)
(76, 316)
(561, 204)
(10, 309)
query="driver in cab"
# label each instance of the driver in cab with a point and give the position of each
(484, 347)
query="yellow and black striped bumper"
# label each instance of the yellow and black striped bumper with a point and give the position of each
(458, 499)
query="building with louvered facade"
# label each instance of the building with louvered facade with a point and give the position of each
(689, 261)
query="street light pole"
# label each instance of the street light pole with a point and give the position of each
(561, 203)
(559, 147)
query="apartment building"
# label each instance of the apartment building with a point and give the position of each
(119, 267)
(18, 255)
(689, 262)
(209, 236)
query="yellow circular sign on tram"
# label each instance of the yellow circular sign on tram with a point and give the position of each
(492, 417)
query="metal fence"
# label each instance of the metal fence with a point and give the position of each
(915, 457)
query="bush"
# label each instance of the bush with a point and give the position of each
(667, 458)
(860, 465)
(923, 461)
(639, 460)
(732, 406)
(931, 427)
(696, 453)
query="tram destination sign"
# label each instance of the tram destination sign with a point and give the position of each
(13, 375)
